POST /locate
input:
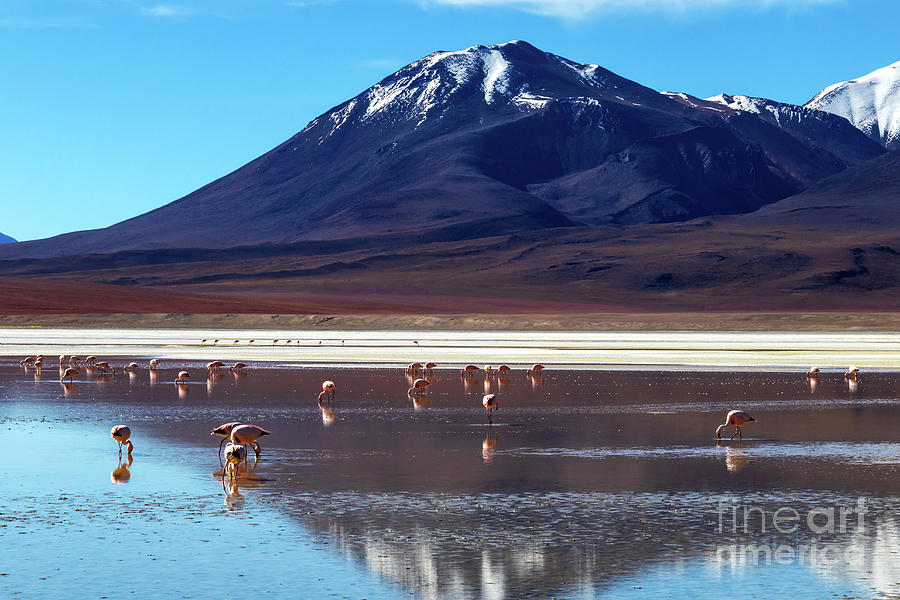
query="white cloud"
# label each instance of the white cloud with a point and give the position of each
(166, 10)
(575, 9)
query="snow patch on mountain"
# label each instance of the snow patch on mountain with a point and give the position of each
(496, 76)
(871, 103)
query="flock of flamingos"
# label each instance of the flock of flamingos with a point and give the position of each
(237, 437)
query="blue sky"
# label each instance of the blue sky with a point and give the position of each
(113, 107)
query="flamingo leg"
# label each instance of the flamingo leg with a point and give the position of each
(737, 430)
(256, 449)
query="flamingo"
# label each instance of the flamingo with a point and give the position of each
(248, 434)
(429, 367)
(28, 360)
(235, 454)
(62, 359)
(74, 360)
(418, 387)
(214, 365)
(90, 360)
(225, 432)
(813, 372)
(215, 342)
(122, 434)
(275, 341)
(154, 363)
(132, 366)
(469, 370)
(39, 363)
(102, 366)
(237, 368)
(288, 342)
(488, 370)
(69, 373)
(852, 373)
(237, 341)
(491, 404)
(328, 388)
(737, 418)
(251, 341)
(203, 341)
(413, 367)
(536, 369)
(183, 377)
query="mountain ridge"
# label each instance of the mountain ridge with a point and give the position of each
(493, 140)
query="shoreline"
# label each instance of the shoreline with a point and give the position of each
(610, 350)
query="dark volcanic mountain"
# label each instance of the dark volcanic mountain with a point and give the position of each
(494, 140)
(867, 194)
(5, 239)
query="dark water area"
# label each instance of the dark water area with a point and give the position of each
(587, 484)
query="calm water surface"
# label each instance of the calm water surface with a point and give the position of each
(589, 484)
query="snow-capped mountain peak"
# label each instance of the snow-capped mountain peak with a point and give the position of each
(871, 103)
(513, 76)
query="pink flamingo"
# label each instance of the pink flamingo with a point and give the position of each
(469, 370)
(248, 434)
(535, 369)
(132, 366)
(235, 454)
(122, 434)
(852, 373)
(413, 368)
(491, 404)
(418, 387)
(214, 365)
(813, 372)
(225, 432)
(183, 377)
(69, 373)
(327, 394)
(154, 363)
(237, 368)
(737, 419)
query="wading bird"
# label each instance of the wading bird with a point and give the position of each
(536, 369)
(852, 373)
(491, 404)
(154, 363)
(235, 454)
(737, 419)
(122, 434)
(225, 432)
(237, 368)
(248, 434)
(214, 365)
(413, 368)
(62, 359)
(328, 388)
(429, 367)
(132, 366)
(418, 387)
(69, 373)
(183, 377)
(469, 370)
(813, 372)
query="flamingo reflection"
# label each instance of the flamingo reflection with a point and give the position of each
(737, 457)
(122, 474)
(489, 446)
(327, 412)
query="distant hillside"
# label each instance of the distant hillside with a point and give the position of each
(5, 239)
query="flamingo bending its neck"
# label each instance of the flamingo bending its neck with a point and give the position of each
(737, 419)
(122, 434)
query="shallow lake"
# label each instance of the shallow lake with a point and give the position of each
(588, 484)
